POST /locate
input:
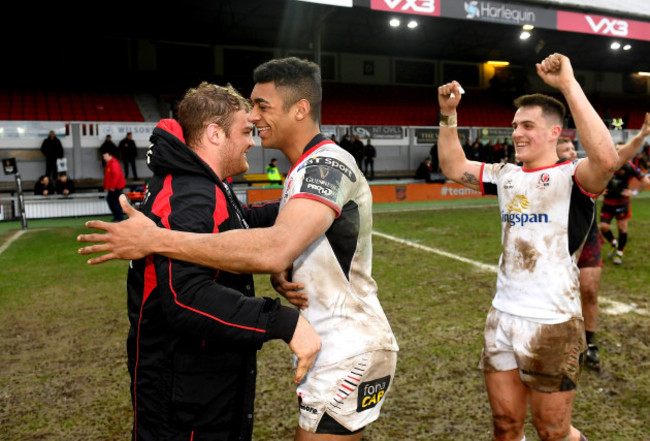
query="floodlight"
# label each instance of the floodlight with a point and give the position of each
(525, 35)
(616, 45)
(627, 47)
(412, 24)
(394, 22)
(528, 27)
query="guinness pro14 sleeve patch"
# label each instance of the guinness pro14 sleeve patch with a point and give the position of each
(322, 180)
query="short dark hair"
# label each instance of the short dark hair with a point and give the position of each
(209, 104)
(563, 139)
(550, 106)
(300, 79)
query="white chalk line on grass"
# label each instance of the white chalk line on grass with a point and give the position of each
(11, 240)
(482, 266)
(607, 305)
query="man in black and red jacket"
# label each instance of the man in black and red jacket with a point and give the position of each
(194, 330)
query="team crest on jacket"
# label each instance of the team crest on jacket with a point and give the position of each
(543, 181)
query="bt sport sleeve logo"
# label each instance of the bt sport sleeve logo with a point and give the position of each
(323, 176)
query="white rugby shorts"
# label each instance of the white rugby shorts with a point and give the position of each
(351, 391)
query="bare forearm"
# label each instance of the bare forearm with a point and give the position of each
(453, 162)
(237, 251)
(448, 145)
(627, 152)
(593, 133)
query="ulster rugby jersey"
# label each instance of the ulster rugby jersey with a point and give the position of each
(545, 218)
(336, 268)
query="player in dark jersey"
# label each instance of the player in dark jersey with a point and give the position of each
(590, 264)
(616, 202)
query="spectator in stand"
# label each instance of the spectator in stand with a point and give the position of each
(114, 183)
(490, 152)
(108, 146)
(346, 143)
(485, 150)
(43, 186)
(510, 152)
(500, 152)
(433, 156)
(369, 155)
(129, 152)
(272, 172)
(424, 170)
(357, 151)
(64, 185)
(467, 149)
(475, 151)
(616, 202)
(53, 150)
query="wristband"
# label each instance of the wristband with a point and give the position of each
(448, 121)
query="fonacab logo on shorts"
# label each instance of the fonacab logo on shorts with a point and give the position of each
(371, 393)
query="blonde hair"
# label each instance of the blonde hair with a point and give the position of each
(209, 104)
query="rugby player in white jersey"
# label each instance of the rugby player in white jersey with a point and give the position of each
(534, 333)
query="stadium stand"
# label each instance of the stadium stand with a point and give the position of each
(29, 105)
(346, 104)
(359, 104)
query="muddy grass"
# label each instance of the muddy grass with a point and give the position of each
(63, 326)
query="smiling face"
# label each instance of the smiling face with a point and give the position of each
(232, 152)
(534, 136)
(273, 122)
(566, 150)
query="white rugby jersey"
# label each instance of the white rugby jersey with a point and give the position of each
(545, 218)
(336, 268)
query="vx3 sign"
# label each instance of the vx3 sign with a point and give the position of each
(608, 26)
(423, 7)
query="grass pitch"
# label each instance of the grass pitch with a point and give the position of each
(63, 327)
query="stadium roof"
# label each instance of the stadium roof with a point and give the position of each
(290, 25)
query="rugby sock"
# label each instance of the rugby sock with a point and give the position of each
(608, 235)
(590, 336)
(622, 240)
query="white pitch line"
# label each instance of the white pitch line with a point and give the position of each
(483, 266)
(11, 240)
(608, 306)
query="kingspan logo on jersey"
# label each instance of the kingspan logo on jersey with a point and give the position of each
(491, 12)
(516, 213)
